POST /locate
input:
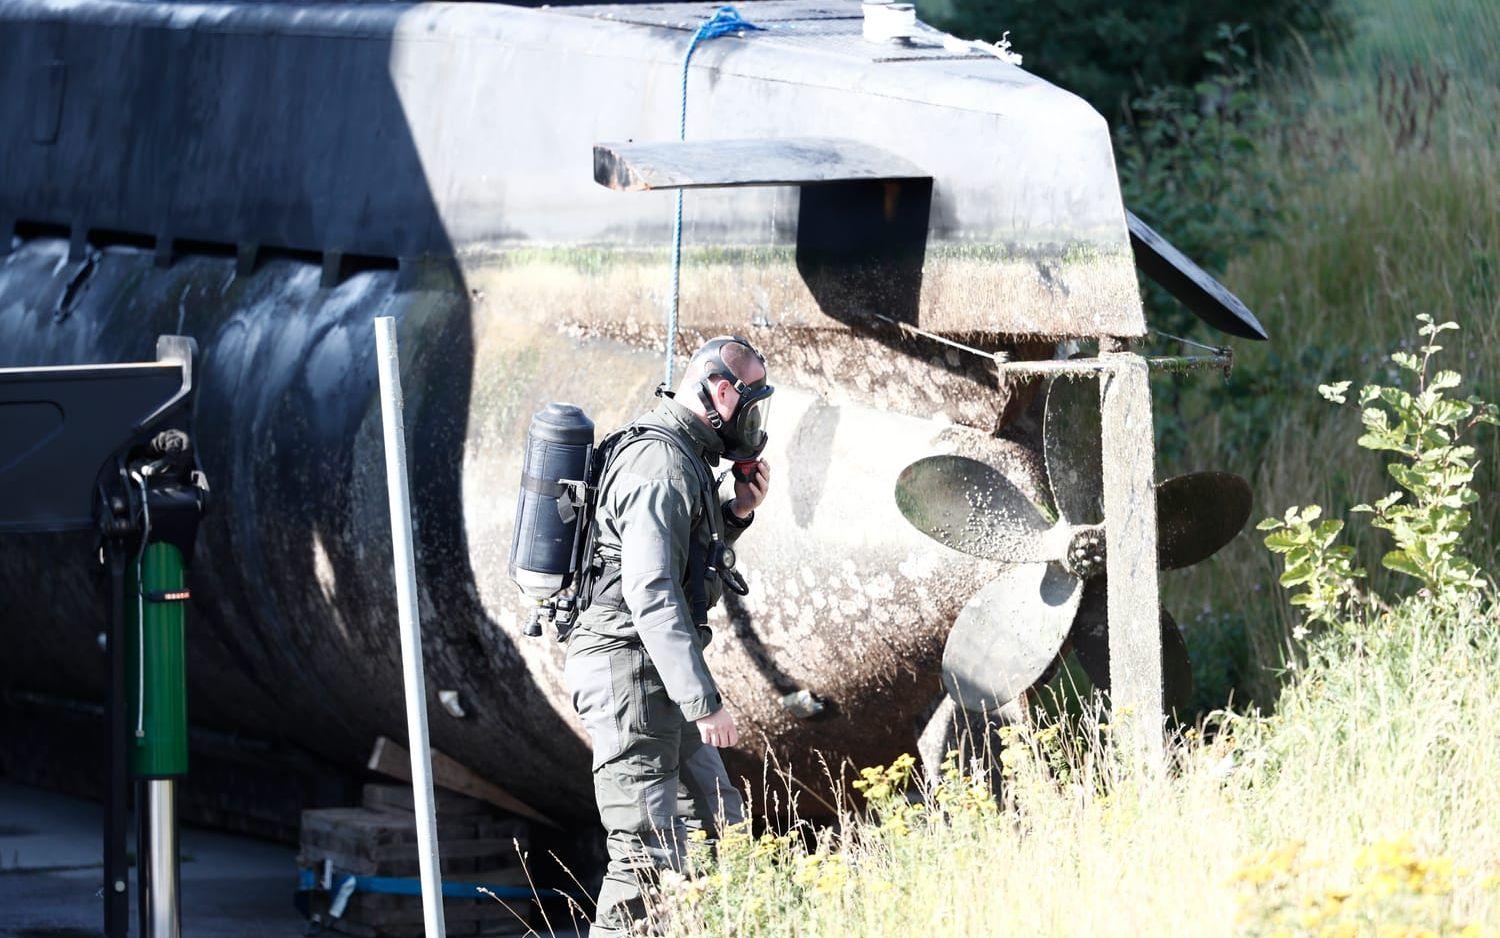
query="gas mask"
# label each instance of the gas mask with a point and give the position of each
(744, 432)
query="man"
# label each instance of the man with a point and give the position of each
(635, 667)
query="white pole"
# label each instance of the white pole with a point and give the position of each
(411, 628)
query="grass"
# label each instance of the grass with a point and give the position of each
(1367, 802)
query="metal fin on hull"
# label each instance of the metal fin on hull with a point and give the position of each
(703, 164)
(1194, 287)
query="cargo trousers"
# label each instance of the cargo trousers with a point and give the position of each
(654, 779)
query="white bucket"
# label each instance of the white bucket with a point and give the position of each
(889, 22)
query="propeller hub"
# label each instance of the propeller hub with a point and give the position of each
(1085, 557)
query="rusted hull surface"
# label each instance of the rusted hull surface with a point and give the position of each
(292, 630)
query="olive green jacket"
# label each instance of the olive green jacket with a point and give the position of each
(650, 512)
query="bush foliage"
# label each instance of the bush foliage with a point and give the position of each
(1110, 53)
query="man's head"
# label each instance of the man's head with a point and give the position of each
(725, 383)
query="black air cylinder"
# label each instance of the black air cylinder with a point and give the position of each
(559, 443)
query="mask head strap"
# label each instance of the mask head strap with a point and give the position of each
(713, 367)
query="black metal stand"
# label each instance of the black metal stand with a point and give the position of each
(116, 720)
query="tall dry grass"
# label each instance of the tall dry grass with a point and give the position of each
(1366, 806)
(1387, 174)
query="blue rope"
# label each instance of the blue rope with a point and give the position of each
(725, 20)
(307, 881)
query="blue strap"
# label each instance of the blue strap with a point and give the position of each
(307, 881)
(725, 20)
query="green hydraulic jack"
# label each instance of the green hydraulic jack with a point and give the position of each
(166, 498)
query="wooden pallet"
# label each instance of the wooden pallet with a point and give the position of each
(476, 844)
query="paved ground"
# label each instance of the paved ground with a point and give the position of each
(51, 875)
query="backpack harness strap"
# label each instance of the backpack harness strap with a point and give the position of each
(600, 580)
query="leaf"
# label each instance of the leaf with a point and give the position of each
(1398, 560)
(1327, 531)
(1375, 419)
(1269, 524)
(1282, 541)
(1296, 576)
(1335, 392)
(1444, 380)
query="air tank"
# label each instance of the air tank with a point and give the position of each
(558, 447)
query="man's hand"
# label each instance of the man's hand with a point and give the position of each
(718, 729)
(749, 495)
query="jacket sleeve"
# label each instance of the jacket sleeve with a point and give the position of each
(733, 526)
(655, 523)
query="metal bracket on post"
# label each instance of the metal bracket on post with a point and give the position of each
(1130, 537)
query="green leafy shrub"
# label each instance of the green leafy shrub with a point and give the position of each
(1427, 429)
(1325, 571)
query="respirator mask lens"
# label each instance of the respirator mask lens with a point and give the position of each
(744, 435)
(752, 422)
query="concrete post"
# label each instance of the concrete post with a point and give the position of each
(1130, 545)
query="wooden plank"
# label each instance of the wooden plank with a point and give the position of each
(371, 828)
(480, 869)
(359, 930)
(370, 842)
(698, 164)
(398, 798)
(1130, 554)
(391, 758)
(374, 916)
(385, 911)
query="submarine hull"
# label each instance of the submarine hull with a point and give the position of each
(292, 632)
(267, 178)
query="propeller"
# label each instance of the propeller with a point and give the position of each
(1008, 635)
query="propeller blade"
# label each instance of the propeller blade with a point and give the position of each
(1071, 441)
(1008, 634)
(970, 506)
(1194, 287)
(1198, 513)
(1090, 640)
